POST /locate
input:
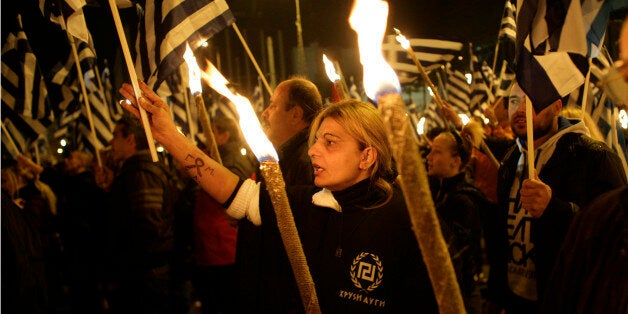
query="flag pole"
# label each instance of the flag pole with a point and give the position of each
(585, 90)
(495, 56)
(248, 51)
(188, 113)
(37, 157)
(83, 90)
(530, 140)
(133, 76)
(11, 142)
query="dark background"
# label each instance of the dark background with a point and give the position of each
(324, 24)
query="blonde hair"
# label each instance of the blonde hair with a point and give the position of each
(462, 144)
(10, 181)
(86, 158)
(364, 123)
(573, 112)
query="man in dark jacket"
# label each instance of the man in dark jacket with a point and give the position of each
(293, 106)
(525, 236)
(140, 225)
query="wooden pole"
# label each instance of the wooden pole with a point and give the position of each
(12, 145)
(133, 75)
(276, 187)
(585, 90)
(425, 224)
(248, 51)
(271, 61)
(81, 80)
(530, 139)
(188, 114)
(210, 140)
(37, 157)
(301, 62)
(495, 56)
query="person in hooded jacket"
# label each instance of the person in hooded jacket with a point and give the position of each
(534, 214)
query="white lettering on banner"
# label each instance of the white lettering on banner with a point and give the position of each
(361, 298)
(521, 268)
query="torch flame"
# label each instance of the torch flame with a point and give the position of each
(405, 43)
(420, 127)
(194, 72)
(249, 123)
(368, 19)
(330, 69)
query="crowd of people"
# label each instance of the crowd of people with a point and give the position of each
(137, 236)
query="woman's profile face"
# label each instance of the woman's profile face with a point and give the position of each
(440, 161)
(336, 157)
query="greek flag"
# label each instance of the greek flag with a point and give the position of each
(166, 27)
(508, 27)
(551, 50)
(432, 53)
(68, 14)
(23, 87)
(458, 91)
(481, 94)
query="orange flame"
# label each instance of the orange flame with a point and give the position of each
(194, 71)
(368, 19)
(330, 69)
(249, 123)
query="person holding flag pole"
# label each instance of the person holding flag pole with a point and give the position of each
(554, 169)
(81, 80)
(133, 75)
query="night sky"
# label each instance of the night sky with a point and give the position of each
(324, 23)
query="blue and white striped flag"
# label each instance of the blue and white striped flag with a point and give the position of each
(501, 88)
(432, 53)
(596, 15)
(551, 49)
(182, 106)
(115, 109)
(481, 94)
(602, 110)
(166, 27)
(68, 14)
(103, 123)
(23, 87)
(508, 27)
(23, 130)
(458, 91)
(65, 89)
(433, 118)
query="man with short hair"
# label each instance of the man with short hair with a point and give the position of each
(293, 105)
(140, 225)
(524, 237)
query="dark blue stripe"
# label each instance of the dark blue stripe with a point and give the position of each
(534, 81)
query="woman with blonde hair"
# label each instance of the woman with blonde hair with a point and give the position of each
(353, 224)
(459, 204)
(575, 112)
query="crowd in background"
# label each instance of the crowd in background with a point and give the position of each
(137, 236)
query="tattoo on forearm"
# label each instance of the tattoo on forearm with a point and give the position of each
(199, 164)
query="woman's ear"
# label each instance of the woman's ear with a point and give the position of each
(368, 157)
